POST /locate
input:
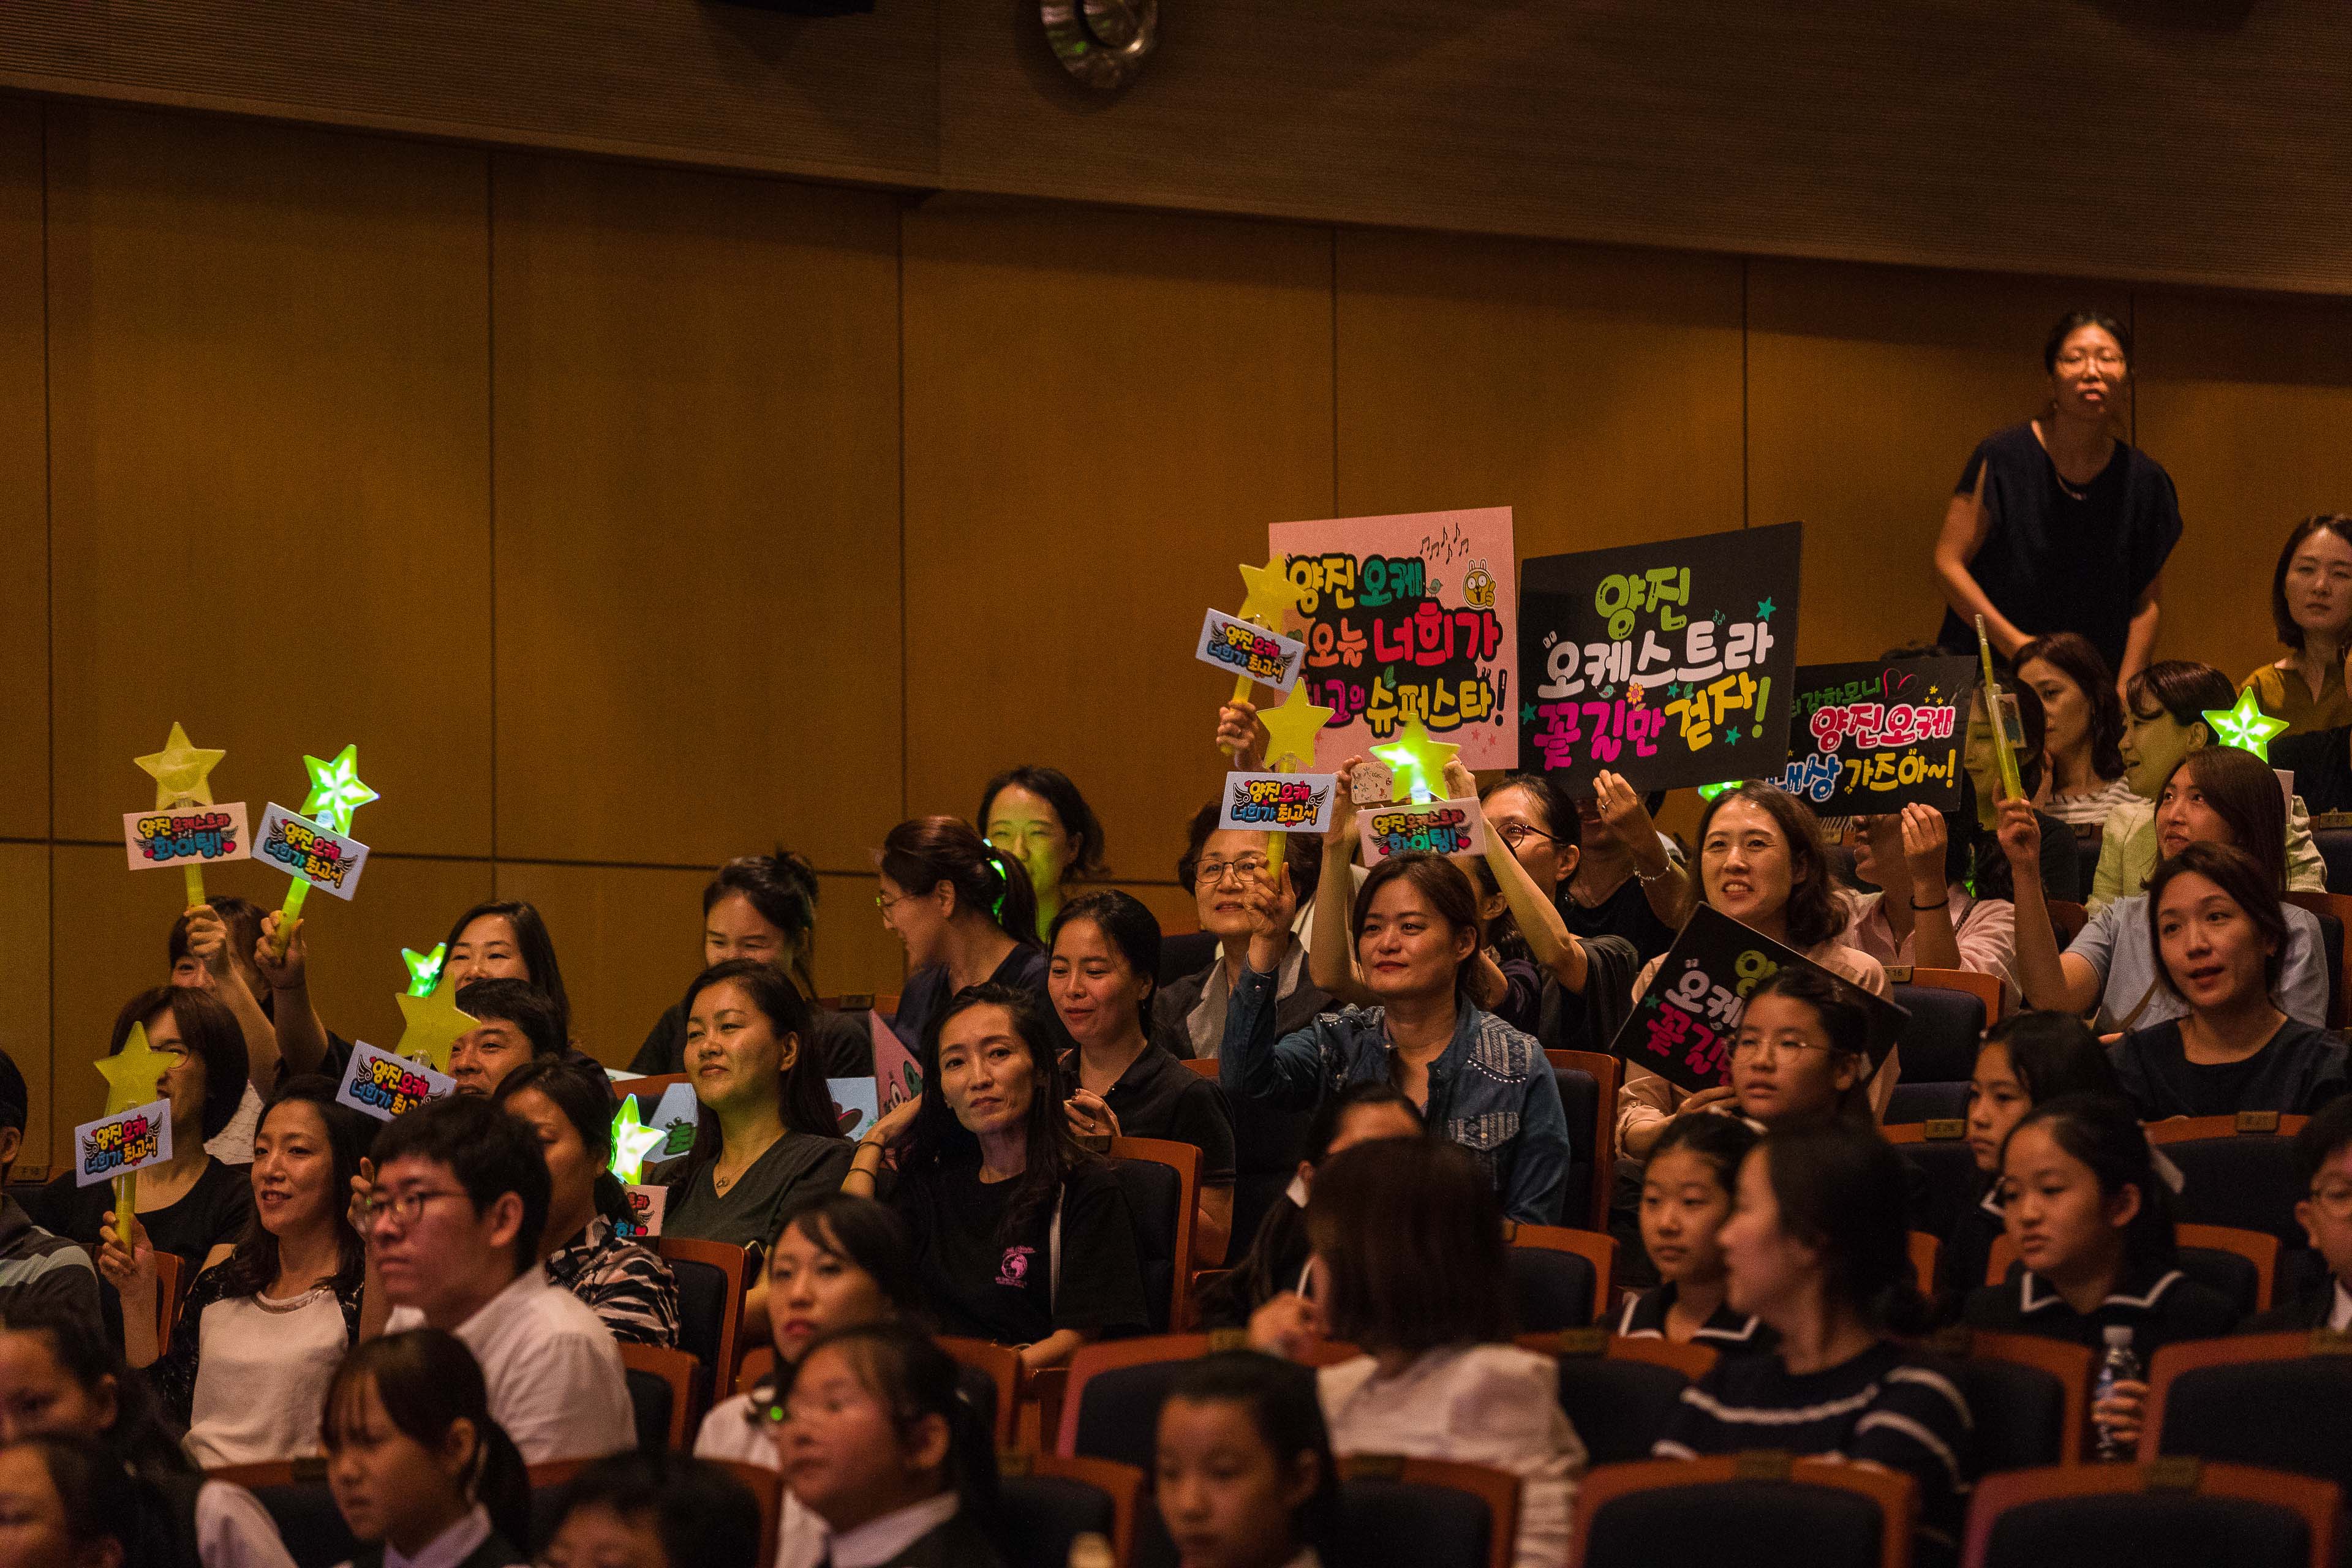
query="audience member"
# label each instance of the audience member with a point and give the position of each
(1687, 1191)
(1410, 1268)
(2061, 875)
(417, 1459)
(1021, 1235)
(257, 1337)
(507, 940)
(34, 1263)
(569, 1106)
(228, 946)
(1220, 865)
(2311, 607)
(1241, 1468)
(2323, 1163)
(967, 912)
(1923, 914)
(1628, 881)
(454, 1209)
(514, 1023)
(1037, 816)
(66, 1502)
(2083, 776)
(653, 1510)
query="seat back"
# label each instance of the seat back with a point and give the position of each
(1048, 1501)
(1162, 1181)
(1560, 1278)
(2131, 1516)
(1940, 1152)
(2335, 846)
(171, 1277)
(711, 1278)
(1783, 1513)
(2067, 920)
(1427, 1512)
(1618, 1397)
(2236, 1171)
(1598, 1153)
(1939, 1041)
(1111, 1404)
(1913, 1102)
(997, 1369)
(2280, 1401)
(296, 1498)
(2030, 1397)
(662, 1385)
(1579, 1098)
(1923, 1248)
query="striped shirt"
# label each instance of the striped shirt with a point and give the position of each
(623, 1282)
(1888, 1405)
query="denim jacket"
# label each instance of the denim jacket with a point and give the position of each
(1491, 1089)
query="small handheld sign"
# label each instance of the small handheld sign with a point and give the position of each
(1270, 602)
(1422, 828)
(384, 1086)
(2012, 786)
(118, 1146)
(1265, 657)
(897, 1078)
(1286, 803)
(190, 836)
(336, 792)
(856, 1104)
(182, 773)
(134, 1077)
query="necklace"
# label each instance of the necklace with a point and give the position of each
(280, 1305)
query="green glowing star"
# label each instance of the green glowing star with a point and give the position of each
(423, 968)
(1708, 792)
(631, 1141)
(336, 791)
(2246, 726)
(1417, 761)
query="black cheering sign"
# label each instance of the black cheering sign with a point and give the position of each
(1683, 1027)
(1668, 663)
(1872, 738)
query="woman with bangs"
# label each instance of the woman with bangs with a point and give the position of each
(2083, 715)
(2218, 929)
(1762, 863)
(2216, 794)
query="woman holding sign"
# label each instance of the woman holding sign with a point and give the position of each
(192, 1204)
(2056, 524)
(1479, 1082)
(1760, 861)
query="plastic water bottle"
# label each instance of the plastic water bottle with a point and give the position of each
(2119, 1364)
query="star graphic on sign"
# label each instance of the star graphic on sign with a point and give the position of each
(1764, 608)
(1526, 712)
(1291, 729)
(180, 770)
(631, 1141)
(2246, 726)
(434, 1024)
(423, 968)
(1417, 760)
(1272, 594)
(336, 791)
(134, 1074)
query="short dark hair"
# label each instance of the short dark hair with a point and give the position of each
(1412, 1236)
(2071, 655)
(1128, 925)
(864, 1232)
(1813, 913)
(1842, 1019)
(2330, 1130)
(582, 1093)
(2074, 321)
(1721, 1140)
(912, 1378)
(1331, 1112)
(2242, 879)
(516, 1001)
(1053, 786)
(487, 1152)
(2335, 522)
(703, 1516)
(2243, 792)
(1561, 821)
(1840, 1190)
(782, 888)
(2105, 1135)
(2053, 1054)
(1284, 1408)
(532, 945)
(1448, 889)
(209, 1031)
(2184, 689)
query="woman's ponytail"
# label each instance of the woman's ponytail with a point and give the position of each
(924, 851)
(1013, 903)
(501, 1483)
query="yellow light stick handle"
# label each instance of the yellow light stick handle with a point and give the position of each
(2012, 785)
(126, 1204)
(286, 912)
(194, 875)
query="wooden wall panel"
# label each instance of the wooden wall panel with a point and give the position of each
(631, 940)
(24, 481)
(270, 367)
(1595, 391)
(25, 983)
(697, 493)
(2246, 402)
(1103, 413)
(1867, 389)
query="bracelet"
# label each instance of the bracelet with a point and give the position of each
(1923, 909)
(1647, 878)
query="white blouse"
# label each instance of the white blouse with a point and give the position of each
(259, 1378)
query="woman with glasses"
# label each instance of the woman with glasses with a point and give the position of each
(1222, 866)
(967, 912)
(2056, 524)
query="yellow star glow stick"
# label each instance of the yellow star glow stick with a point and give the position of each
(434, 1024)
(134, 1076)
(336, 792)
(1272, 599)
(181, 772)
(1290, 732)
(2012, 785)
(1417, 761)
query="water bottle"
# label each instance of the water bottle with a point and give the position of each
(1091, 1551)
(2119, 1364)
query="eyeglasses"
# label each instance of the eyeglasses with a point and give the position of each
(2105, 359)
(407, 1208)
(1756, 1047)
(1248, 869)
(2333, 1199)
(1517, 832)
(886, 903)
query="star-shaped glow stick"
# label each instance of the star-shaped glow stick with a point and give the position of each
(133, 1074)
(181, 771)
(336, 791)
(1417, 760)
(1273, 598)
(2246, 726)
(1291, 729)
(1708, 792)
(434, 1024)
(423, 968)
(631, 1141)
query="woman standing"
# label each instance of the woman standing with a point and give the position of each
(2057, 526)
(2311, 607)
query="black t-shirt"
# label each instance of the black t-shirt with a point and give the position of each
(1626, 913)
(1025, 968)
(2321, 761)
(208, 1214)
(1160, 1096)
(2053, 561)
(2299, 1071)
(842, 1041)
(982, 1283)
